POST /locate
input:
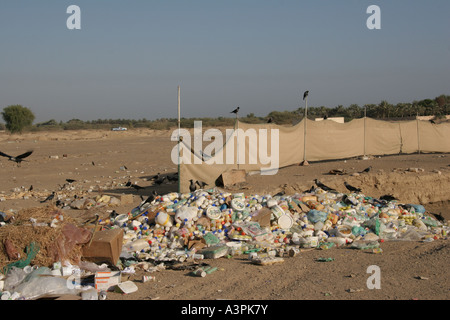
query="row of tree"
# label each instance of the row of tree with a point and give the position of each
(18, 118)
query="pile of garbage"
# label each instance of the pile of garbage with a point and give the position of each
(176, 229)
(213, 224)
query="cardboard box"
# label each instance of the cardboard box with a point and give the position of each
(106, 246)
(107, 280)
(263, 217)
(233, 177)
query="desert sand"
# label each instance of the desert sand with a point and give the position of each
(103, 161)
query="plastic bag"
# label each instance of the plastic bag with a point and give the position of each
(69, 238)
(14, 277)
(30, 251)
(362, 245)
(39, 286)
(315, 216)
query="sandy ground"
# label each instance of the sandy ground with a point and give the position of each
(103, 161)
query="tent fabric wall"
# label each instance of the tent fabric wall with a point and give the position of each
(325, 140)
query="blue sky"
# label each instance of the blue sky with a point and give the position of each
(129, 56)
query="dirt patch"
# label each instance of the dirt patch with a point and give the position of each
(102, 162)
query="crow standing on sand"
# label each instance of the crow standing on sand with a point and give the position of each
(159, 181)
(388, 197)
(132, 185)
(17, 159)
(322, 186)
(351, 188)
(49, 198)
(366, 170)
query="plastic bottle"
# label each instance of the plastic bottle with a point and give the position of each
(137, 245)
(339, 241)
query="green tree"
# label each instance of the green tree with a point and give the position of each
(17, 118)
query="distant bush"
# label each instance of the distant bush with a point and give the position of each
(17, 118)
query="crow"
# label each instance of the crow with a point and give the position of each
(159, 181)
(201, 184)
(70, 180)
(49, 198)
(348, 201)
(192, 186)
(270, 120)
(17, 159)
(173, 177)
(305, 94)
(366, 169)
(322, 186)
(388, 197)
(135, 186)
(132, 185)
(351, 188)
(30, 188)
(438, 216)
(235, 111)
(149, 199)
(154, 177)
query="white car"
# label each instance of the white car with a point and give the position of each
(119, 129)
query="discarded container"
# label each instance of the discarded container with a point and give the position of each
(121, 219)
(126, 287)
(309, 242)
(285, 221)
(199, 273)
(344, 231)
(164, 219)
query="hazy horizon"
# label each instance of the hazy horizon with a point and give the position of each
(129, 57)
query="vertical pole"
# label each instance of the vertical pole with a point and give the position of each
(304, 135)
(179, 141)
(418, 135)
(237, 140)
(365, 115)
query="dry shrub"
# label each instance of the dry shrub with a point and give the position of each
(22, 233)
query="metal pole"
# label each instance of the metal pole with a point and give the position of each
(304, 136)
(179, 141)
(418, 136)
(365, 115)
(237, 140)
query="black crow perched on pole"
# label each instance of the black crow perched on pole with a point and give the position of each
(17, 159)
(235, 111)
(305, 94)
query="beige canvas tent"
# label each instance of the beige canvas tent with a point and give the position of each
(268, 147)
